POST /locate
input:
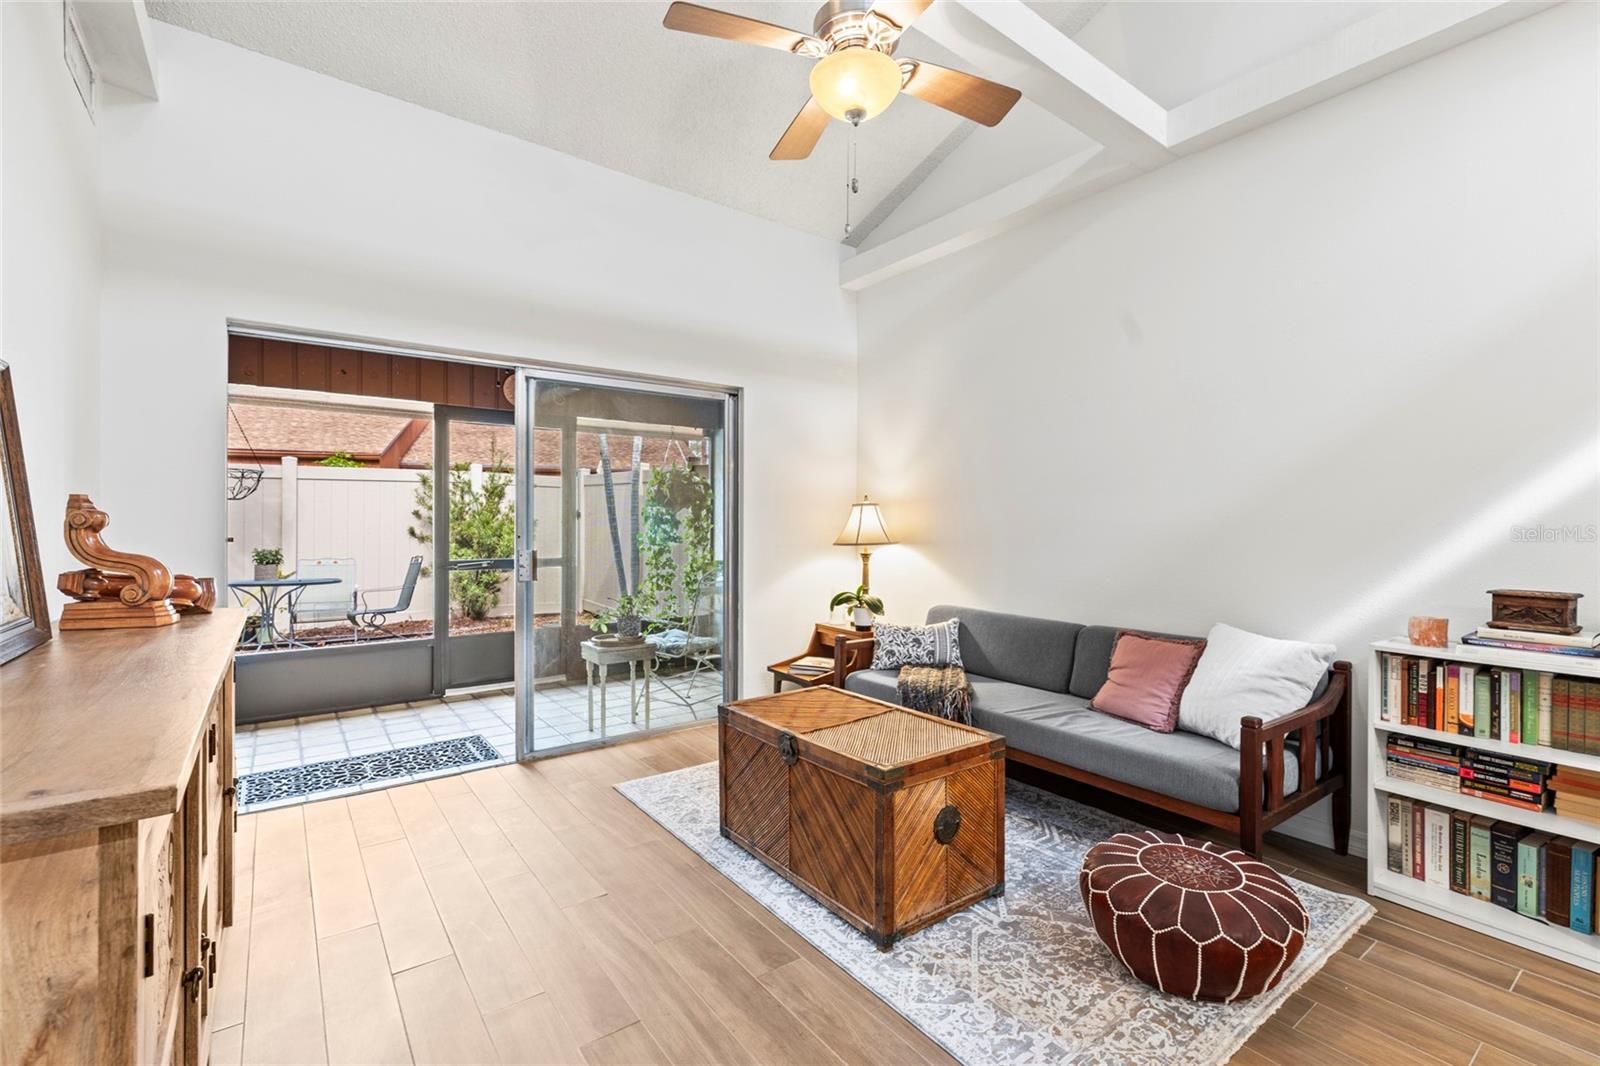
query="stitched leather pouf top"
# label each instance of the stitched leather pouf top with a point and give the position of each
(1190, 917)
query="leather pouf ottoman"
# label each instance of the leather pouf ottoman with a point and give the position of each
(1190, 917)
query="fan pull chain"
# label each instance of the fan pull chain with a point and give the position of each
(851, 185)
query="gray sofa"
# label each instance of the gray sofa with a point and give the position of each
(1032, 679)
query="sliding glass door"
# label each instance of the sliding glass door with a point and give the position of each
(626, 562)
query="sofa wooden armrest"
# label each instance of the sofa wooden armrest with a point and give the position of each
(1322, 753)
(850, 656)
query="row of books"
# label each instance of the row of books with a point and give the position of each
(1576, 794)
(1583, 644)
(1516, 782)
(1540, 876)
(1492, 702)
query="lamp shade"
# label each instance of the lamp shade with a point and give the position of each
(864, 527)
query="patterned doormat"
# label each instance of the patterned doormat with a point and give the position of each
(1021, 978)
(299, 782)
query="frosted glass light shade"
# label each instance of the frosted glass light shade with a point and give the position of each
(855, 79)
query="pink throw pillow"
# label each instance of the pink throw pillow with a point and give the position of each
(1147, 678)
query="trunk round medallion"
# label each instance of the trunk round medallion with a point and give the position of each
(945, 824)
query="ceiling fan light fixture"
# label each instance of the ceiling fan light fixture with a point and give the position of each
(855, 84)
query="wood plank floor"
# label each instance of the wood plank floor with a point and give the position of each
(529, 914)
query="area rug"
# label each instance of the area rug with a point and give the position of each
(302, 782)
(1022, 978)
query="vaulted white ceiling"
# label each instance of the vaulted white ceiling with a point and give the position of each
(1111, 88)
(607, 83)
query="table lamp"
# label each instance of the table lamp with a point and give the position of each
(864, 529)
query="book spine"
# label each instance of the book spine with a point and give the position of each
(1517, 645)
(1559, 856)
(1530, 708)
(1452, 698)
(1405, 835)
(1396, 813)
(1460, 851)
(1496, 703)
(1513, 706)
(1436, 698)
(1412, 694)
(1560, 724)
(1436, 852)
(1383, 687)
(1503, 866)
(1482, 709)
(1528, 875)
(1592, 717)
(1467, 711)
(1581, 896)
(1497, 798)
(1478, 860)
(1544, 708)
(1419, 840)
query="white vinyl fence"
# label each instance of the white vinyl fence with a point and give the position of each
(362, 513)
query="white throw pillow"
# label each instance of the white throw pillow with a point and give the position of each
(1241, 674)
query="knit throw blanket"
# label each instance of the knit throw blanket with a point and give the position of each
(940, 690)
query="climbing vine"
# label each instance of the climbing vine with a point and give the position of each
(675, 538)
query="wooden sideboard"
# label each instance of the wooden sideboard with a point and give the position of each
(116, 842)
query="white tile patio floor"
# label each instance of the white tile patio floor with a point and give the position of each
(560, 713)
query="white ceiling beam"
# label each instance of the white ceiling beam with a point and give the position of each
(1007, 41)
(1375, 46)
(989, 216)
(116, 34)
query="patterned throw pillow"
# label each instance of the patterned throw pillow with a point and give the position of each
(935, 645)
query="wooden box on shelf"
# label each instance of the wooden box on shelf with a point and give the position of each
(1439, 900)
(848, 647)
(116, 842)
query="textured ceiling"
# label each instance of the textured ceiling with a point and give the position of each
(604, 81)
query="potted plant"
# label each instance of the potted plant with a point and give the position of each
(267, 561)
(863, 605)
(625, 614)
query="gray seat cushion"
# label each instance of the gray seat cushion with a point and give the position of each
(1061, 727)
(1012, 647)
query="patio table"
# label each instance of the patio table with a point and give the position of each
(603, 655)
(266, 596)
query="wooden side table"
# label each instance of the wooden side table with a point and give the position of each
(848, 647)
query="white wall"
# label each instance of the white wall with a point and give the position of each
(49, 281)
(259, 191)
(1305, 382)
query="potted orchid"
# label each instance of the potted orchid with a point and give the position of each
(863, 605)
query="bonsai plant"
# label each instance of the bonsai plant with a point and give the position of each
(625, 614)
(863, 605)
(267, 561)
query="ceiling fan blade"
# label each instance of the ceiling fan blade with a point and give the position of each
(967, 95)
(708, 22)
(802, 134)
(900, 12)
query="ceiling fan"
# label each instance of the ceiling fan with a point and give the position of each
(856, 75)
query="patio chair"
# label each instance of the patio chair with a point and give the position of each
(699, 646)
(323, 603)
(365, 614)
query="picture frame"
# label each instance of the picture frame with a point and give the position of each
(24, 611)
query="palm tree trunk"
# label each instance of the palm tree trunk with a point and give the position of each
(633, 486)
(611, 515)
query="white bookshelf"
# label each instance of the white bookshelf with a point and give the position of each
(1579, 949)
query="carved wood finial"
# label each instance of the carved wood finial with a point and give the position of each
(121, 589)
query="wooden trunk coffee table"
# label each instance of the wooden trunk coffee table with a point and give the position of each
(890, 818)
